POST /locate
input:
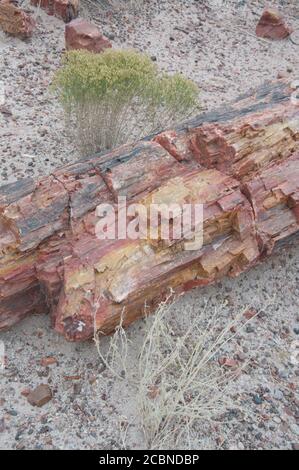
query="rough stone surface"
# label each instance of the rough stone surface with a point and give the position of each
(81, 34)
(15, 21)
(67, 10)
(240, 162)
(41, 395)
(272, 25)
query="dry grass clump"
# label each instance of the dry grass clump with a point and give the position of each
(177, 378)
(118, 96)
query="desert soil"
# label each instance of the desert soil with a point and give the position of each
(213, 43)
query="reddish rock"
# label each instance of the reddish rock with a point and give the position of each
(250, 313)
(67, 10)
(81, 34)
(48, 361)
(272, 25)
(15, 21)
(153, 392)
(227, 362)
(40, 395)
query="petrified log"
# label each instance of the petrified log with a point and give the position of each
(272, 25)
(241, 162)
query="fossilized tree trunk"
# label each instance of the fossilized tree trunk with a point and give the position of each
(241, 162)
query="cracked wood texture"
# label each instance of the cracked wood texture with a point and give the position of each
(241, 162)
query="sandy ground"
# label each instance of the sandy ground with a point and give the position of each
(213, 43)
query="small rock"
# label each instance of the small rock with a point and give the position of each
(5, 110)
(15, 21)
(48, 361)
(44, 419)
(2, 425)
(250, 313)
(44, 429)
(257, 400)
(81, 34)
(40, 395)
(44, 372)
(153, 392)
(281, 75)
(278, 394)
(42, 132)
(93, 379)
(272, 25)
(72, 377)
(295, 446)
(294, 428)
(110, 36)
(233, 447)
(250, 329)
(283, 374)
(77, 387)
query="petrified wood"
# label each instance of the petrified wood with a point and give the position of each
(15, 21)
(241, 162)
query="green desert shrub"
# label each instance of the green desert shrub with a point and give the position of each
(119, 96)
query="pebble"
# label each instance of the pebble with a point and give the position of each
(283, 374)
(257, 400)
(49, 149)
(40, 395)
(250, 329)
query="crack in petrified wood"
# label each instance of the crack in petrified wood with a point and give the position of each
(241, 162)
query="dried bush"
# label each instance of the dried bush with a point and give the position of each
(177, 379)
(119, 96)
